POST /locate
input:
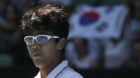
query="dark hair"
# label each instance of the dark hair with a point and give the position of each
(47, 17)
(131, 7)
(83, 40)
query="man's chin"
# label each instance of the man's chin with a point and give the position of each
(37, 62)
(40, 61)
(38, 65)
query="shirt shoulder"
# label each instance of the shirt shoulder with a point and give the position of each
(69, 73)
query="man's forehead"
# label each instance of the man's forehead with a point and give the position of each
(38, 32)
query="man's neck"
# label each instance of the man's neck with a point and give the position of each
(44, 71)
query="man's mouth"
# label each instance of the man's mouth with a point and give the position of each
(35, 55)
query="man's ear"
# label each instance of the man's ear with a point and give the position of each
(61, 43)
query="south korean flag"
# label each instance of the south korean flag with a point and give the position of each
(97, 22)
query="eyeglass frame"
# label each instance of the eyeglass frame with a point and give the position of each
(35, 38)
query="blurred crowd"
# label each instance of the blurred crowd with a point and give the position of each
(12, 50)
(82, 53)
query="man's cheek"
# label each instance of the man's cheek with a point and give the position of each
(28, 47)
(47, 54)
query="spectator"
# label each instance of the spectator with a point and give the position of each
(80, 54)
(10, 33)
(134, 60)
(134, 6)
(11, 27)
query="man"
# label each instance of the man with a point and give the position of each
(46, 29)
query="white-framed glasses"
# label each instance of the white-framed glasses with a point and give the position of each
(39, 39)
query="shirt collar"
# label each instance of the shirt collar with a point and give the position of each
(56, 70)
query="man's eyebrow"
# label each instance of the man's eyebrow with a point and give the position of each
(45, 33)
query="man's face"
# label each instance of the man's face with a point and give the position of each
(79, 46)
(42, 53)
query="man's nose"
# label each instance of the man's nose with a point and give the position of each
(35, 47)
